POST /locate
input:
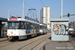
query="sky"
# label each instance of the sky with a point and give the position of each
(16, 8)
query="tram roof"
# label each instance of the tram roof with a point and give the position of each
(21, 19)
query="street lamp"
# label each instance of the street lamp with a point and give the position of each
(8, 12)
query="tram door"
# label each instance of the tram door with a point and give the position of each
(33, 33)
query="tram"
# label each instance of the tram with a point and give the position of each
(43, 28)
(20, 28)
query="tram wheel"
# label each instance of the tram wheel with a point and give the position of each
(29, 36)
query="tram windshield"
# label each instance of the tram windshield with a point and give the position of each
(13, 25)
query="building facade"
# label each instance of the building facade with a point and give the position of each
(45, 16)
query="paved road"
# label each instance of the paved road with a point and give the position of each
(42, 42)
(72, 40)
(30, 44)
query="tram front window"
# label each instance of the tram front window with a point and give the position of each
(13, 25)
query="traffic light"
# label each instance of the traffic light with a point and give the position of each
(68, 14)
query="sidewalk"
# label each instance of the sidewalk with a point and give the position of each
(57, 46)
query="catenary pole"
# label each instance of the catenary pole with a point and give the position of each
(61, 8)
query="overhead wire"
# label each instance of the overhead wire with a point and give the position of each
(30, 7)
(42, 3)
(27, 4)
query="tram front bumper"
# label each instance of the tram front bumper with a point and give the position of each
(10, 37)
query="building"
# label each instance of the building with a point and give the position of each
(2, 20)
(45, 16)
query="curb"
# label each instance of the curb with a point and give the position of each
(3, 39)
(72, 42)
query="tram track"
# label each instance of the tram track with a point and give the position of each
(19, 45)
(3, 42)
(33, 42)
(6, 43)
(38, 43)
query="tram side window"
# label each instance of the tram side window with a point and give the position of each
(25, 25)
(29, 25)
(22, 25)
(44, 27)
(36, 26)
(40, 27)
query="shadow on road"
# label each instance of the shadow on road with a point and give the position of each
(49, 38)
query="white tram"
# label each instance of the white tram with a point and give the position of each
(19, 28)
(43, 28)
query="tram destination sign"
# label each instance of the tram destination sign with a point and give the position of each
(12, 19)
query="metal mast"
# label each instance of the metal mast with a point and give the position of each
(61, 8)
(23, 9)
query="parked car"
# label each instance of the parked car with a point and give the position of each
(71, 29)
(73, 34)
